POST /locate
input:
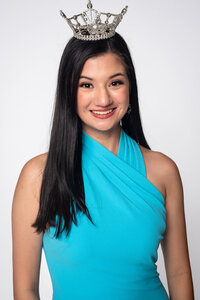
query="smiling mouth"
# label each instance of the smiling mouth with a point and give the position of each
(102, 112)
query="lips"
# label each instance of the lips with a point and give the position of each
(103, 113)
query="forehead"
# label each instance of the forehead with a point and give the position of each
(107, 64)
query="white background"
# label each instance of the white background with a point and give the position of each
(164, 40)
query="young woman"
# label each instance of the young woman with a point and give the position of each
(100, 201)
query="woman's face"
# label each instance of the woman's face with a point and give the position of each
(103, 93)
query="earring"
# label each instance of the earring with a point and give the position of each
(120, 122)
(129, 109)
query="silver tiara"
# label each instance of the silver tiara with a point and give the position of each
(94, 25)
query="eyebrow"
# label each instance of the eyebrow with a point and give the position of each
(115, 75)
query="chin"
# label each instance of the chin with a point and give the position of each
(102, 128)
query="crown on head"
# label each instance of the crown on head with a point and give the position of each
(94, 25)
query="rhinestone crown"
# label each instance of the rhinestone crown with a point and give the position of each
(94, 25)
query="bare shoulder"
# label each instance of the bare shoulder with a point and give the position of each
(35, 165)
(163, 163)
(161, 169)
(26, 197)
(31, 173)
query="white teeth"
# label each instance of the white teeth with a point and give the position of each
(102, 112)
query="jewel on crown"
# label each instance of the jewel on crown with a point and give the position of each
(94, 25)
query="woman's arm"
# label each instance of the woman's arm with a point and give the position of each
(174, 245)
(27, 245)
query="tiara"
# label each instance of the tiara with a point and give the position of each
(94, 25)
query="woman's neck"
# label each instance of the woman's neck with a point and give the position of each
(109, 139)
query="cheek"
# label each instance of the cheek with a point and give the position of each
(82, 102)
(123, 96)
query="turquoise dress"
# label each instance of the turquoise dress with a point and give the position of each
(116, 259)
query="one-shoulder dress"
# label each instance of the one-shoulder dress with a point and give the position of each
(115, 259)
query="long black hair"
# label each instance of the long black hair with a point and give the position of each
(62, 190)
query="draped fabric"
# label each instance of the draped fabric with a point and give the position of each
(116, 257)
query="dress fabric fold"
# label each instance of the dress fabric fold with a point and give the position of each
(115, 258)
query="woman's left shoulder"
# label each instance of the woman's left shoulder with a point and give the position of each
(160, 161)
(164, 168)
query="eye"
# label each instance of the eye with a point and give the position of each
(85, 85)
(116, 83)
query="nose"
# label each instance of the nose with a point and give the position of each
(102, 97)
